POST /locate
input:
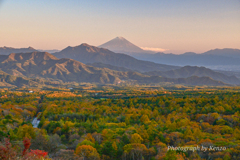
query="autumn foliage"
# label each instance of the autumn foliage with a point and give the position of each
(112, 124)
(8, 152)
(87, 151)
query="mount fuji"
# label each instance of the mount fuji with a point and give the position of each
(121, 45)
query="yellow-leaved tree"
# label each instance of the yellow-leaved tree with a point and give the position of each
(145, 119)
(26, 131)
(87, 152)
(136, 138)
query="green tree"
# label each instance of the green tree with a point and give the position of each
(171, 155)
(108, 149)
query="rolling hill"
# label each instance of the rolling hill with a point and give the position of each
(7, 80)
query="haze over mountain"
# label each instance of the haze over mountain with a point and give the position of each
(44, 66)
(102, 65)
(121, 45)
(219, 59)
(226, 52)
(8, 50)
(189, 71)
(193, 80)
(49, 51)
(89, 54)
(183, 72)
(215, 59)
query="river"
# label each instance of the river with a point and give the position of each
(35, 122)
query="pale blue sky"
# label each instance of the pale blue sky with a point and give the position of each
(176, 25)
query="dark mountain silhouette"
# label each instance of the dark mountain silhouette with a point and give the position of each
(32, 68)
(189, 71)
(89, 54)
(9, 50)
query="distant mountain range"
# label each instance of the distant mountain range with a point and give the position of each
(41, 68)
(210, 58)
(189, 71)
(227, 52)
(89, 54)
(8, 50)
(183, 72)
(49, 51)
(219, 59)
(86, 63)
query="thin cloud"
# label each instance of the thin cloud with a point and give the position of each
(154, 49)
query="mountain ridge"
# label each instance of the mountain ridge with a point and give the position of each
(45, 65)
(189, 71)
(221, 57)
(8, 50)
(90, 54)
(38, 65)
